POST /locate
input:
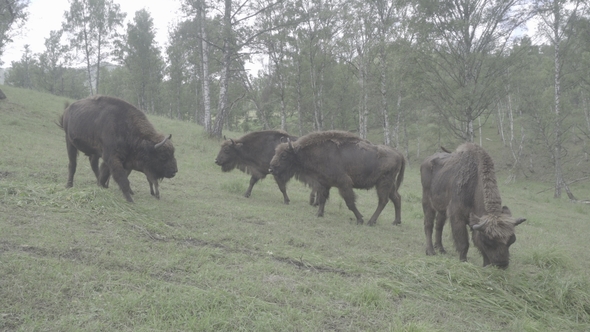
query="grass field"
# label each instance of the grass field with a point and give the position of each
(204, 258)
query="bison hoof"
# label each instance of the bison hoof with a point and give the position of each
(430, 252)
(397, 222)
(286, 202)
(361, 221)
(247, 195)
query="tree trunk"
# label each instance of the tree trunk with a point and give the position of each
(88, 67)
(363, 100)
(384, 111)
(225, 74)
(470, 137)
(205, 71)
(557, 129)
(98, 62)
(299, 97)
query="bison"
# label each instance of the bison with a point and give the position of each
(462, 185)
(251, 154)
(343, 160)
(114, 130)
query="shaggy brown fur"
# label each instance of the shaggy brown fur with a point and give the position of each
(343, 160)
(462, 185)
(251, 154)
(114, 130)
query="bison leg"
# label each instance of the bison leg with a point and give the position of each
(130, 190)
(154, 191)
(385, 190)
(94, 165)
(73, 157)
(429, 214)
(253, 181)
(120, 175)
(313, 201)
(104, 175)
(396, 199)
(460, 234)
(322, 195)
(441, 217)
(348, 194)
(283, 188)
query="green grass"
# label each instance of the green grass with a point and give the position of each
(205, 258)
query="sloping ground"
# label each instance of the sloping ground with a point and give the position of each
(206, 258)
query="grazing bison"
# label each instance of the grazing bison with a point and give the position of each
(462, 185)
(251, 154)
(343, 160)
(114, 130)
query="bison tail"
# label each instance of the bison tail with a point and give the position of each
(400, 175)
(60, 122)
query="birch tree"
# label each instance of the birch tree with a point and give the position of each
(557, 21)
(464, 52)
(92, 26)
(13, 16)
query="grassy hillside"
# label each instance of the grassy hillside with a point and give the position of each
(205, 258)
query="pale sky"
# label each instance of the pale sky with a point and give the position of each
(47, 15)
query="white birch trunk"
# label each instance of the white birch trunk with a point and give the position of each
(205, 72)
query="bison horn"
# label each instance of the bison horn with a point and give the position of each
(290, 145)
(162, 143)
(477, 227)
(519, 221)
(232, 141)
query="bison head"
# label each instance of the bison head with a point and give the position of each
(228, 155)
(493, 234)
(283, 162)
(159, 159)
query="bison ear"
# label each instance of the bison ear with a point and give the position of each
(506, 210)
(238, 145)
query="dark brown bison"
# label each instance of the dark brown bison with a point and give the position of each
(114, 130)
(251, 154)
(343, 160)
(462, 185)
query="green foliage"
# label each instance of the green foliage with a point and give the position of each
(13, 14)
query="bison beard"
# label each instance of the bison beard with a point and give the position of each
(462, 185)
(114, 130)
(343, 160)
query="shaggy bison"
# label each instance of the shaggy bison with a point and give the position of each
(343, 160)
(114, 130)
(462, 185)
(251, 154)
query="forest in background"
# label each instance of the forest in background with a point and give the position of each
(411, 74)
